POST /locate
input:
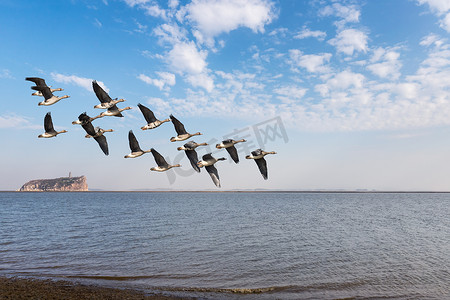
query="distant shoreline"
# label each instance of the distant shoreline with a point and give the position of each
(238, 191)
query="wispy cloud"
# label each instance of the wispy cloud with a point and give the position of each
(98, 23)
(307, 33)
(12, 120)
(442, 9)
(347, 14)
(6, 74)
(165, 80)
(83, 82)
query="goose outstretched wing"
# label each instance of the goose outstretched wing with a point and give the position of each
(100, 93)
(86, 124)
(48, 124)
(233, 153)
(148, 114)
(38, 81)
(193, 158)
(159, 159)
(262, 165)
(103, 143)
(179, 127)
(45, 90)
(134, 145)
(212, 171)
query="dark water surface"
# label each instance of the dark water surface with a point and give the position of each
(234, 245)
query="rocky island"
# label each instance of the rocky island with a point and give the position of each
(62, 184)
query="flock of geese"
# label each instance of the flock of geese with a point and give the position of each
(111, 109)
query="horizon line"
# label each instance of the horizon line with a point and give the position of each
(361, 191)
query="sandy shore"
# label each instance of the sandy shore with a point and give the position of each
(21, 288)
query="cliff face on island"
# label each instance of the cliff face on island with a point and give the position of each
(62, 184)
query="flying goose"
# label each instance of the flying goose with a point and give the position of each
(105, 100)
(181, 132)
(149, 116)
(189, 149)
(161, 162)
(208, 162)
(113, 111)
(258, 156)
(40, 82)
(229, 146)
(48, 127)
(48, 95)
(78, 122)
(96, 133)
(136, 151)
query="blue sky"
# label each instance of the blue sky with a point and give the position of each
(351, 94)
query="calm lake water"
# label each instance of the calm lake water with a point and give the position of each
(234, 245)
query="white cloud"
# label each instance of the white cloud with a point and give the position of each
(306, 33)
(159, 105)
(213, 17)
(406, 90)
(173, 3)
(432, 39)
(290, 94)
(385, 64)
(438, 6)
(170, 33)
(441, 9)
(341, 81)
(313, 63)
(201, 80)
(186, 58)
(155, 11)
(348, 14)
(349, 41)
(12, 120)
(150, 7)
(445, 22)
(133, 3)
(85, 83)
(165, 79)
(97, 23)
(5, 73)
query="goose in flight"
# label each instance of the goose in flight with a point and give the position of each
(258, 156)
(136, 151)
(48, 127)
(40, 82)
(208, 162)
(182, 134)
(189, 149)
(149, 116)
(78, 122)
(161, 162)
(105, 100)
(113, 111)
(229, 146)
(96, 133)
(48, 95)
